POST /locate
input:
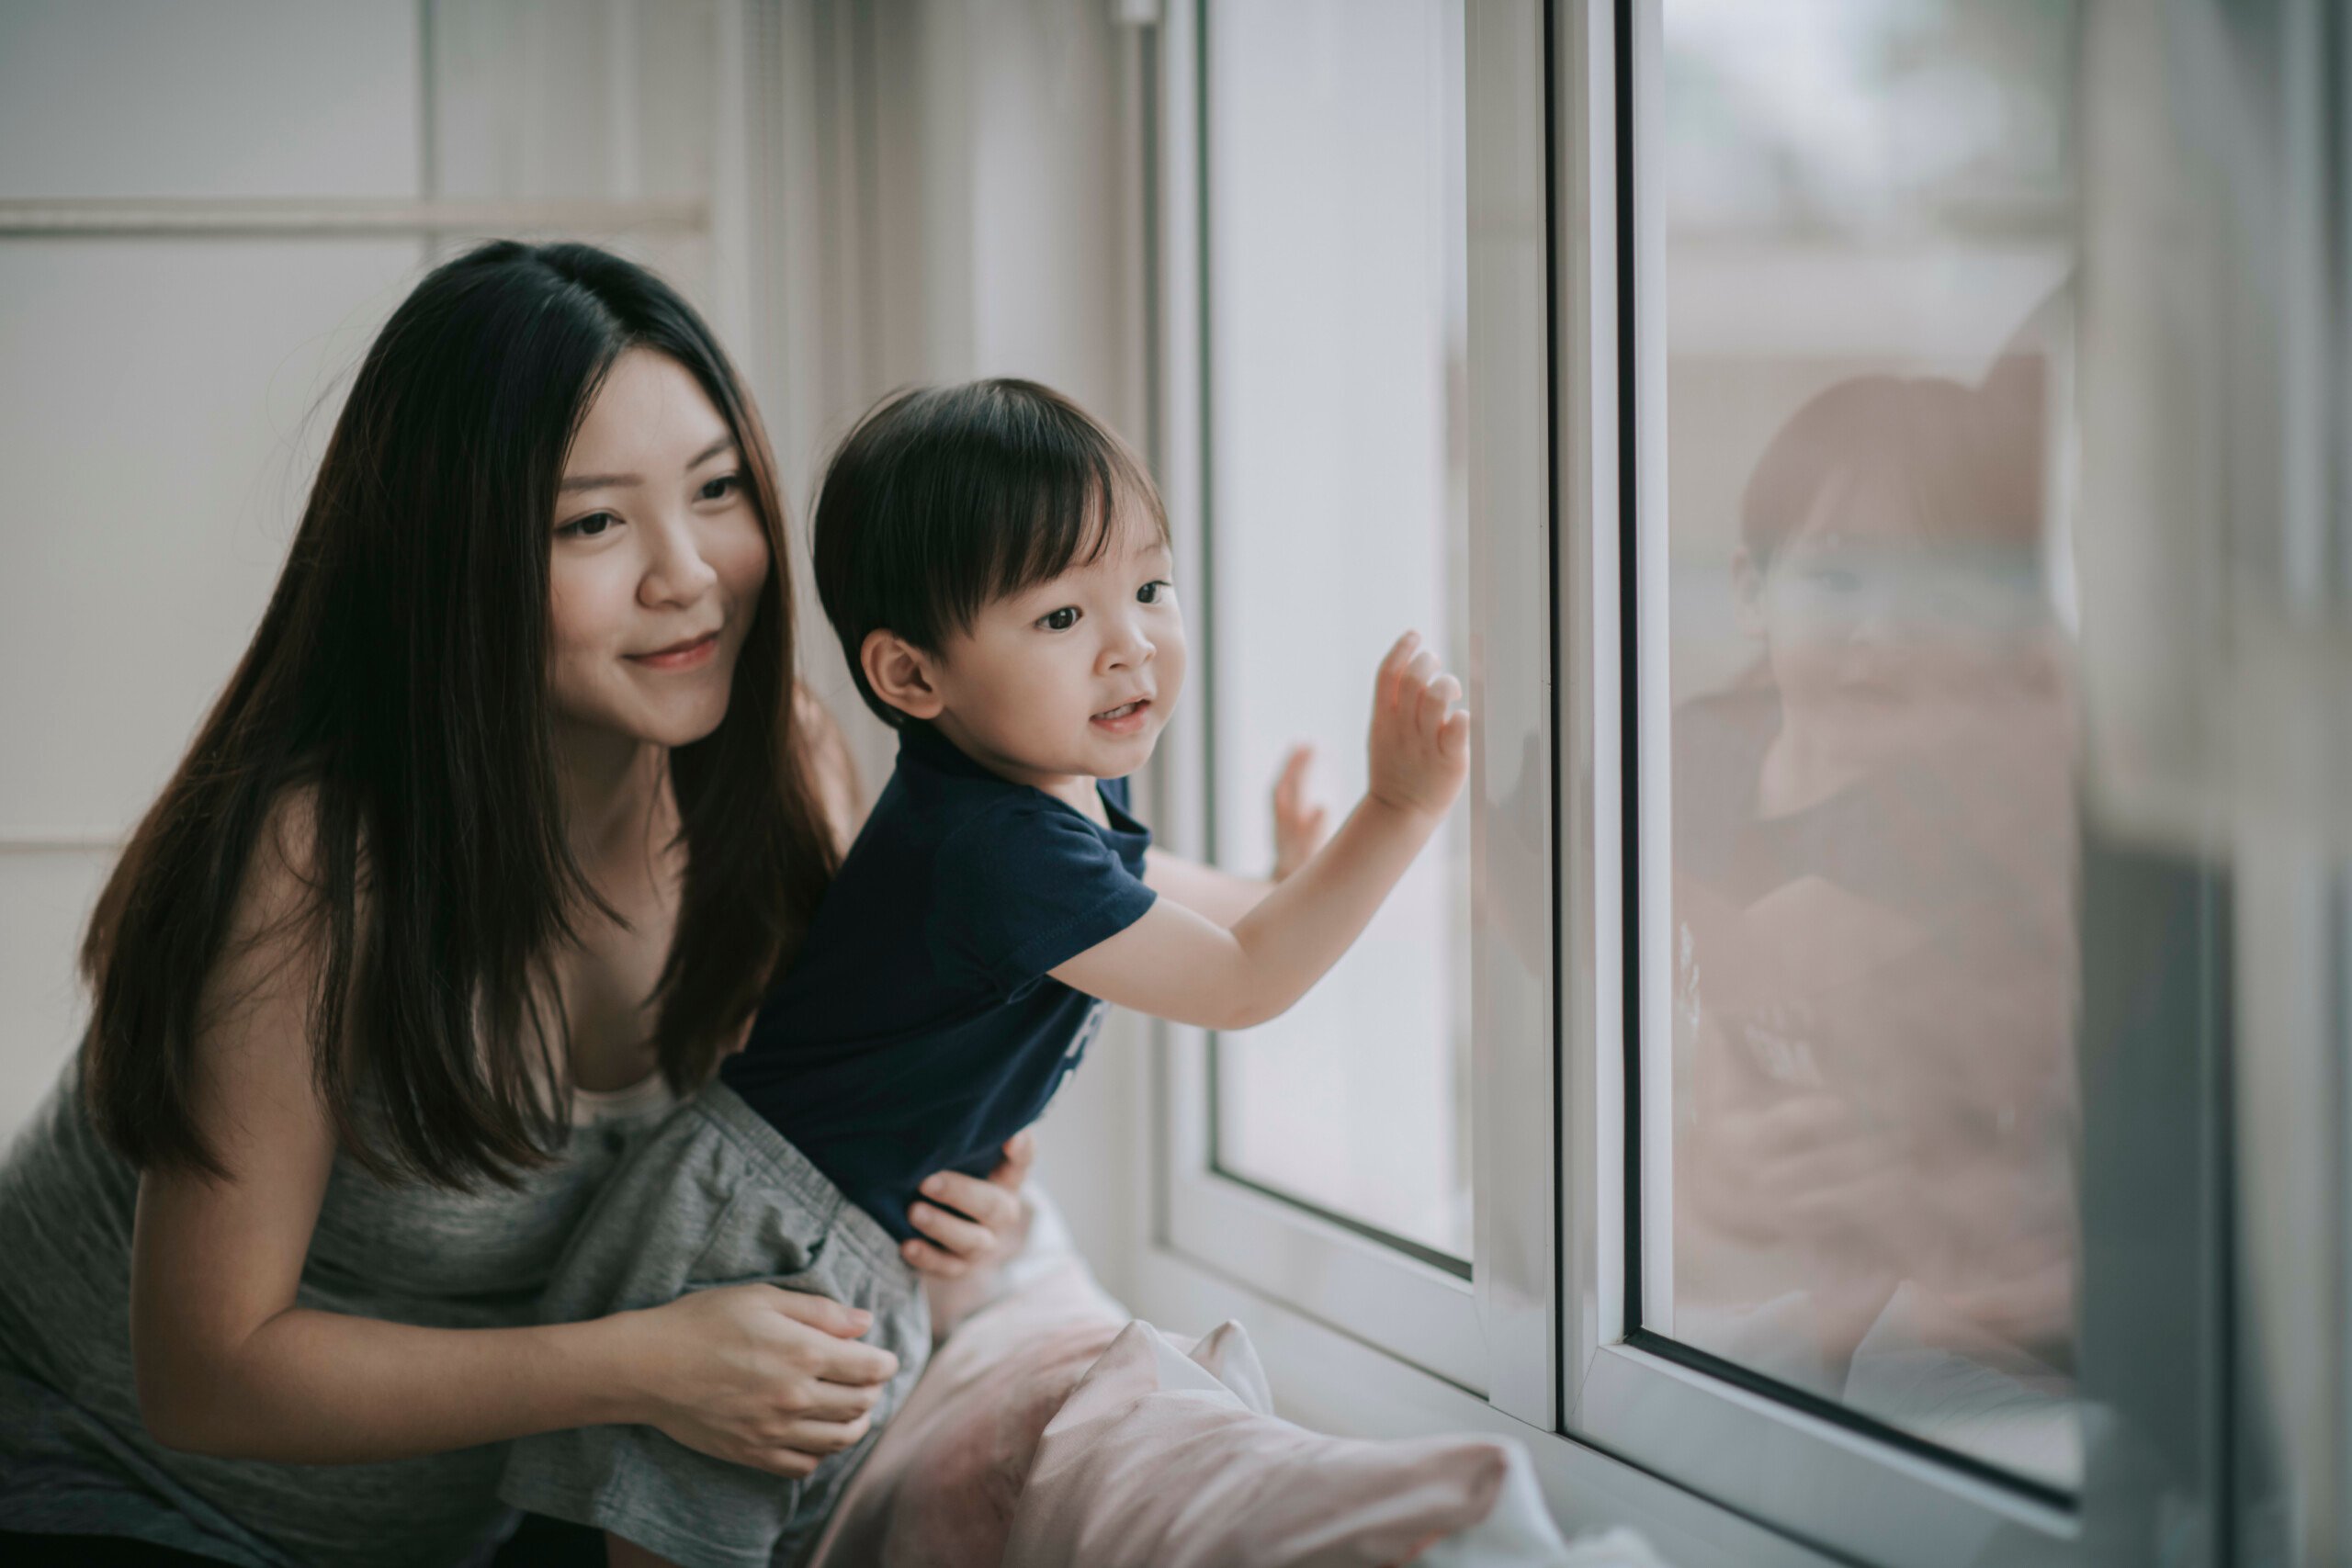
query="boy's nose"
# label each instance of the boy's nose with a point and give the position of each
(1126, 647)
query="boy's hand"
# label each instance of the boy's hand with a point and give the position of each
(1420, 742)
(1301, 821)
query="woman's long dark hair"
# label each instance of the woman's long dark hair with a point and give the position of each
(399, 679)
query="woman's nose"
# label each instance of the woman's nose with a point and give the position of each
(677, 572)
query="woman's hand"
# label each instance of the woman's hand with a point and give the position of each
(758, 1376)
(972, 1223)
(1302, 821)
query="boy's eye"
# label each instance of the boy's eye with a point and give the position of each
(1155, 593)
(587, 527)
(1059, 620)
(721, 488)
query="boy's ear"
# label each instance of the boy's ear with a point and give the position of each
(900, 674)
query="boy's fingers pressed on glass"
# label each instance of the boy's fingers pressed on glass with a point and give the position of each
(1456, 735)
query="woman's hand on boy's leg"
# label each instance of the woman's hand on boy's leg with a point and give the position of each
(970, 1223)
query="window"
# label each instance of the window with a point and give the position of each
(1874, 428)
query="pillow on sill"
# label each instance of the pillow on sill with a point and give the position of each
(1160, 1460)
(943, 1486)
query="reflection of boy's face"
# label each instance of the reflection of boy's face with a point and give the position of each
(1073, 678)
(1881, 636)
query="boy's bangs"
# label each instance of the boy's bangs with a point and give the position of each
(1049, 511)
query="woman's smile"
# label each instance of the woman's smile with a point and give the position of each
(691, 654)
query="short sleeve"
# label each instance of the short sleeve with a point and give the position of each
(1024, 888)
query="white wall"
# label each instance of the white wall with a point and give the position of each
(156, 399)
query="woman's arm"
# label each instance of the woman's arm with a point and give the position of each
(229, 1364)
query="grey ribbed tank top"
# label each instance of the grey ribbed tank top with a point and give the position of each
(73, 1454)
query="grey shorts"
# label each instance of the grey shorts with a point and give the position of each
(714, 1196)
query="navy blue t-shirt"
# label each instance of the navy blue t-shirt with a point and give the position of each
(918, 1029)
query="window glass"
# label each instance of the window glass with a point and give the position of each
(1869, 213)
(1336, 321)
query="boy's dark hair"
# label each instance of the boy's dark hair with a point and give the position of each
(947, 499)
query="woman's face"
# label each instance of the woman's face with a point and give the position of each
(657, 559)
(1885, 639)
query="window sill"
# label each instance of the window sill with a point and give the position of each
(1324, 1379)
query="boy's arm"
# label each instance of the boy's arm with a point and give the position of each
(1177, 964)
(1301, 824)
(1215, 896)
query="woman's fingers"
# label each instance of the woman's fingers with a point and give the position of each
(992, 1204)
(821, 1437)
(847, 1361)
(1020, 1154)
(839, 1401)
(822, 1312)
(928, 1257)
(952, 1233)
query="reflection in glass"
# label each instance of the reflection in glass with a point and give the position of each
(1873, 835)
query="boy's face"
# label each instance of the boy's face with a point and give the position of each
(1071, 680)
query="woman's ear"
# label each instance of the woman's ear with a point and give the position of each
(901, 674)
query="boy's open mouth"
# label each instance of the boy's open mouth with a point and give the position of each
(1127, 715)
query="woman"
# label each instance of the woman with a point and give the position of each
(490, 848)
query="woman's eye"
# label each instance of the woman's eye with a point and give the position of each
(587, 527)
(1155, 593)
(1059, 620)
(722, 487)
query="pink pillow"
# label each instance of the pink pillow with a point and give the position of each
(939, 1489)
(1157, 1460)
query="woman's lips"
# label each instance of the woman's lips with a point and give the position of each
(1125, 719)
(680, 656)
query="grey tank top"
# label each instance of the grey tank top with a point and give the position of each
(74, 1456)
